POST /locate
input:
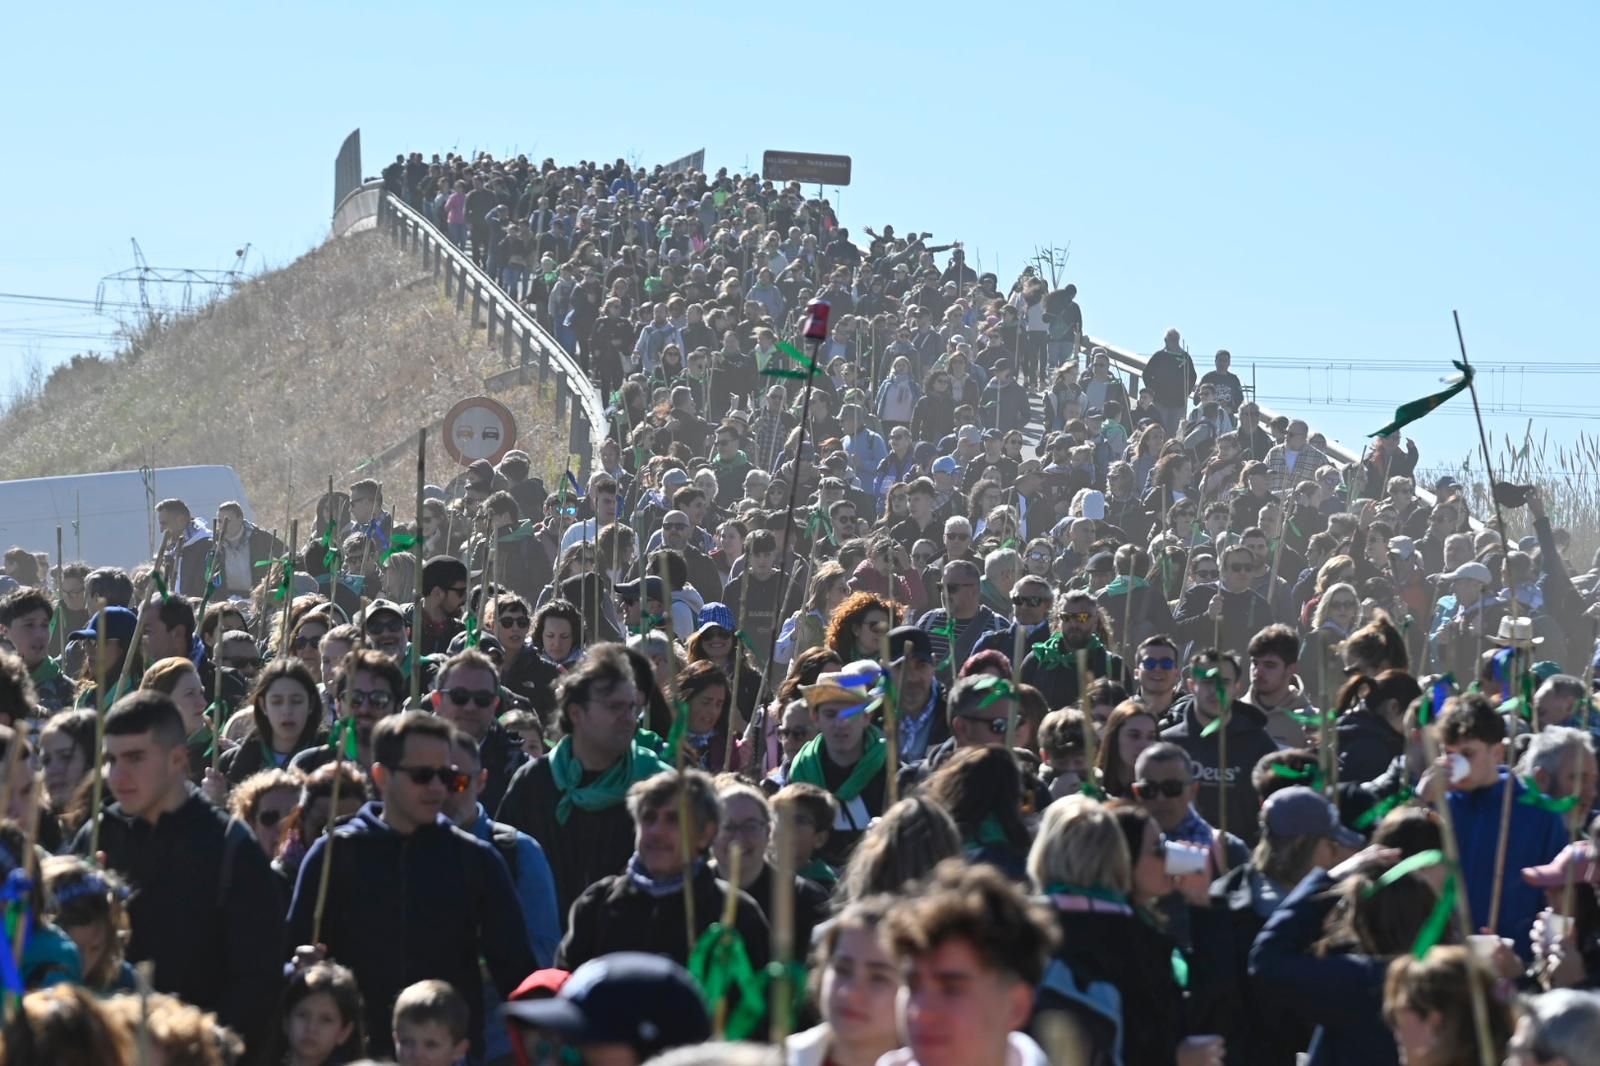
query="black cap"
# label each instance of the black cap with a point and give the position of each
(653, 589)
(909, 640)
(1100, 562)
(645, 1001)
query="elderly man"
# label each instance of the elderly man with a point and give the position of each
(1293, 461)
(957, 626)
(1169, 376)
(1562, 763)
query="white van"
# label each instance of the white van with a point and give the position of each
(107, 519)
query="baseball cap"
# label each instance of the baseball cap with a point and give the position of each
(1100, 563)
(716, 614)
(379, 607)
(1404, 547)
(909, 640)
(970, 433)
(120, 623)
(993, 434)
(653, 589)
(645, 1001)
(946, 464)
(677, 477)
(1298, 811)
(1094, 412)
(1473, 571)
(1094, 505)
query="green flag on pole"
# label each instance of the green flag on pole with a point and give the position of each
(1408, 413)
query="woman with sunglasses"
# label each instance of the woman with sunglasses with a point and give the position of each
(715, 642)
(1038, 557)
(935, 415)
(858, 625)
(1336, 611)
(306, 637)
(263, 801)
(286, 719)
(1130, 729)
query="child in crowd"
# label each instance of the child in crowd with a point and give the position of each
(321, 1018)
(430, 1025)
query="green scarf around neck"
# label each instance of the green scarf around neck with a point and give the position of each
(807, 765)
(1121, 585)
(606, 791)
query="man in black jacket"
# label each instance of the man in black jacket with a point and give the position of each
(1169, 375)
(1225, 615)
(466, 693)
(185, 545)
(641, 907)
(410, 896)
(241, 547)
(206, 906)
(571, 800)
(1052, 666)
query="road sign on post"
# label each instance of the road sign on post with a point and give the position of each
(807, 167)
(479, 428)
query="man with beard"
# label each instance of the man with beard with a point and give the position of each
(1052, 665)
(368, 687)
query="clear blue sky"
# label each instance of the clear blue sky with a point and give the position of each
(1313, 186)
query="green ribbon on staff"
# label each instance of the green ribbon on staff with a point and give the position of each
(1532, 797)
(1214, 675)
(1439, 918)
(344, 734)
(1310, 776)
(398, 543)
(330, 557)
(1312, 718)
(720, 963)
(1381, 809)
(948, 632)
(281, 595)
(1408, 413)
(679, 730)
(808, 367)
(472, 629)
(161, 585)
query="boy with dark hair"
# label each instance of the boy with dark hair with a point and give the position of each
(753, 595)
(444, 592)
(411, 896)
(206, 908)
(811, 811)
(1472, 735)
(972, 949)
(1247, 742)
(520, 561)
(25, 620)
(1274, 688)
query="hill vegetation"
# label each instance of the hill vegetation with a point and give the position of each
(302, 372)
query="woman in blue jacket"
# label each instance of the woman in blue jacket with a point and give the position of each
(1323, 954)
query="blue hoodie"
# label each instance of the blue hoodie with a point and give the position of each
(1536, 838)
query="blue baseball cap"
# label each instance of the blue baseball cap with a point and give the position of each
(946, 464)
(120, 622)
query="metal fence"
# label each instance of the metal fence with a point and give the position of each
(528, 349)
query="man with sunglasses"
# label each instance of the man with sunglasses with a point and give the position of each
(1165, 785)
(410, 896)
(367, 688)
(1225, 615)
(466, 693)
(1031, 600)
(978, 719)
(444, 593)
(1248, 740)
(1157, 671)
(1052, 667)
(957, 626)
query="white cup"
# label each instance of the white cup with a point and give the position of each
(1485, 945)
(1184, 859)
(1556, 927)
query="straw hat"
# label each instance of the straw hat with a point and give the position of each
(1517, 632)
(850, 685)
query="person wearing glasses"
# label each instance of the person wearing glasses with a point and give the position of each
(206, 906)
(1052, 666)
(1137, 609)
(1031, 600)
(444, 593)
(367, 687)
(466, 693)
(1248, 741)
(1227, 614)
(963, 620)
(411, 897)
(642, 908)
(1165, 784)
(749, 823)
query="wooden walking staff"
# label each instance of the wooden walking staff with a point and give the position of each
(1517, 658)
(1086, 708)
(286, 588)
(1463, 907)
(61, 580)
(783, 922)
(102, 703)
(416, 637)
(1016, 679)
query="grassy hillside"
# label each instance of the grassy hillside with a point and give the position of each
(303, 372)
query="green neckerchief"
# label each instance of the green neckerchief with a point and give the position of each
(522, 531)
(650, 740)
(807, 765)
(819, 872)
(1120, 585)
(47, 671)
(606, 791)
(1105, 895)
(989, 833)
(1053, 654)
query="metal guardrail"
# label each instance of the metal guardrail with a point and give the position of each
(527, 347)
(358, 211)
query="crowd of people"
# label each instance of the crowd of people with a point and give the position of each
(905, 684)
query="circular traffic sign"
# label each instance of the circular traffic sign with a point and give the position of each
(479, 428)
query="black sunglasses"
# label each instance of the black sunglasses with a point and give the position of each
(269, 818)
(451, 777)
(1026, 601)
(514, 621)
(997, 726)
(1169, 789)
(480, 697)
(376, 628)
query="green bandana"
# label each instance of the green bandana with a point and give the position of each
(1120, 585)
(606, 791)
(808, 765)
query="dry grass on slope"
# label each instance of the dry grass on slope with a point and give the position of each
(303, 372)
